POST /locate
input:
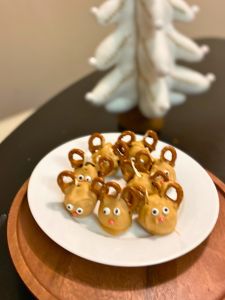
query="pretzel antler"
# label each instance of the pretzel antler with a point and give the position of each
(161, 174)
(143, 161)
(179, 190)
(61, 180)
(111, 184)
(127, 169)
(129, 134)
(153, 135)
(173, 153)
(97, 185)
(93, 148)
(105, 166)
(129, 195)
(121, 149)
(76, 163)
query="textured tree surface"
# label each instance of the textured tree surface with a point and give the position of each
(142, 52)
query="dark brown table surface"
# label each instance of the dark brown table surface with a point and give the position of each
(197, 127)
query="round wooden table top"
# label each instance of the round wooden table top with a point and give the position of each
(51, 272)
(197, 127)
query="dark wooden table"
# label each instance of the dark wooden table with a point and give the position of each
(197, 127)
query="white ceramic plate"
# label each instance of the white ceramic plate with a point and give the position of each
(197, 215)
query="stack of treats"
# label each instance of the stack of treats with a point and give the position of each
(151, 196)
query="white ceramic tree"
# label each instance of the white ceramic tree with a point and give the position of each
(142, 54)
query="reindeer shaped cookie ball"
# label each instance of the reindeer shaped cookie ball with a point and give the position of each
(103, 155)
(158, 215)
(82, 171)
(148, 143)
(113, 214)
(141, 162)
(80, 196)
(164, 164)
(137, 175)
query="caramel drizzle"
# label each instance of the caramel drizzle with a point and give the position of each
(135, 169)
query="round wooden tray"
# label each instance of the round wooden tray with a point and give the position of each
(51, 272)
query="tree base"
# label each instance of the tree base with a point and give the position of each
(135, 121)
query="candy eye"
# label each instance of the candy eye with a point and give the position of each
(116, 211)
(155, 211)
(69, 206)
(166, 210)
(88, 178)
(106, 211)
(79, 211)
(80, 177)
